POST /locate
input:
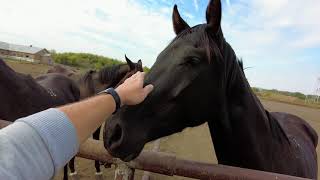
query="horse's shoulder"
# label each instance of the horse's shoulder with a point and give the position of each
(295, 126)
(74, 89)
(61, 84)
(20, 83)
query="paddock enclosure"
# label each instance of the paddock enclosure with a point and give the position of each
(191, 148)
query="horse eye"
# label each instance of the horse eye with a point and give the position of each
(193, 61)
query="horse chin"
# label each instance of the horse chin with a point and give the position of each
(130, 157)
(125, 157)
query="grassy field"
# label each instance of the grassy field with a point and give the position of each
(192, 143)
(287, 99)
(34, 69)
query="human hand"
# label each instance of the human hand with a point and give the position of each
(132, 92)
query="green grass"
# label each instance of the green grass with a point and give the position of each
(85, 60)
(295, 98)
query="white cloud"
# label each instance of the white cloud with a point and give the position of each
(188, 15)
(267, 23)
(228, 2)
(111, 28)
(274, 36)
(182, 2)
(196, 4)
(165, 10)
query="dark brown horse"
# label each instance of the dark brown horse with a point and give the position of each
(94, 82)
(22, 95)
(198, 79)
(58, 68)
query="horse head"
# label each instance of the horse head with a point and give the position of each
(188, 76)
(94, 82)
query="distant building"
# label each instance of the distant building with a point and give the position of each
(27, 53)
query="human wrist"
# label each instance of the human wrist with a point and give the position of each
(122, 96)
(115, 96)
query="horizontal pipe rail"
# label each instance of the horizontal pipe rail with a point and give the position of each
(168, 164)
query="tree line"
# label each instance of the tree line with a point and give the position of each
(286, 93)
(85, 60)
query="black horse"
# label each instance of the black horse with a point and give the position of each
(198, 79)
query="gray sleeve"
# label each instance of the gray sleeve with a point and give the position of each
(37, 146)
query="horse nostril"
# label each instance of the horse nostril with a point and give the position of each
(115, 137)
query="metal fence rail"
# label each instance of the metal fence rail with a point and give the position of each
(168, 164)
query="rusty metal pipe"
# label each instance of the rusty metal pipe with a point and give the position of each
(168, 164)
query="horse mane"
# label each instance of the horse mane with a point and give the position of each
(215, 45)
(207, 41)
(110, 74)
(87, 80)
(240, 63)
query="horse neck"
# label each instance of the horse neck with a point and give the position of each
(241, 123)
(86, 87)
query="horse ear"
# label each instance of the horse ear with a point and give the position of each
(179, 24)
(130, 63)
(140, 62)
(213, 15)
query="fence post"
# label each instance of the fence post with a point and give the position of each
(123, 172)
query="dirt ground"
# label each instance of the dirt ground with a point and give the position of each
(192, 143)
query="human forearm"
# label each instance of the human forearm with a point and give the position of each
(89, 114)
(44, 142)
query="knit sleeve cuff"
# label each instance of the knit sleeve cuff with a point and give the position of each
(57, 132)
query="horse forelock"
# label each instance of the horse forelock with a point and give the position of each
(218, 51)
(111, 75)
(211, 43)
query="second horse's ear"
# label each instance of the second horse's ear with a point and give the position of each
(213, 15)
(179, 24)
(139, 66)
(140, 62)
(130, 63)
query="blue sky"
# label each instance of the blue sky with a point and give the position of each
(278, 39)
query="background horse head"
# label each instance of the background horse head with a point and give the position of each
(94, 82)
(197, 79)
